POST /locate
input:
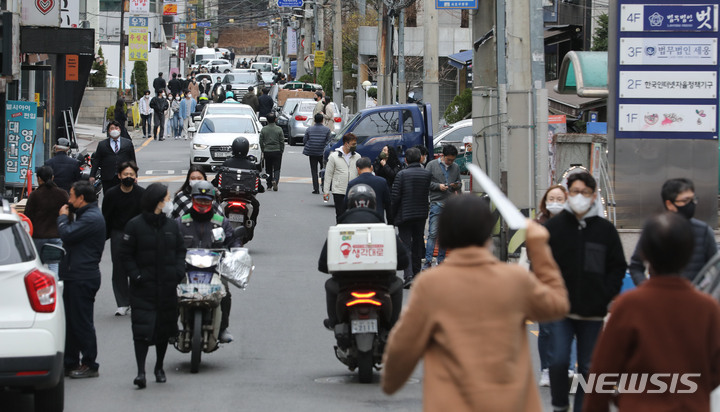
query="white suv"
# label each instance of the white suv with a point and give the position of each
(32, 317)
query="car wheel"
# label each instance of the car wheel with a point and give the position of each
(51, 399)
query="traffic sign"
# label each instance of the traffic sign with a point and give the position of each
(319, 58)
(203, 24)
(262, 24)
(456, 4)
(207, 32)
(290, 3)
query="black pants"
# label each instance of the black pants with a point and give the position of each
(411, 233)
(146, 120)
(332, 289)
(315, 164)
(339, 201)
(273, 161)
(159, 120)
(225, 305)
(80, 338)
(120, 280)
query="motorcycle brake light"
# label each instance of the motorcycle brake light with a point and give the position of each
(301, 118)
(362, 295)
(363, 298)
(237, 204)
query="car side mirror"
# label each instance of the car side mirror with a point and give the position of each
(197, 118)
(192, 129)
(263, 120)
(50, 253)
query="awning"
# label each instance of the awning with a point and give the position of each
(584, 74)
(462, 59)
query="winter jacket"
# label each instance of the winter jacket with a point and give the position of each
(591, 260)
(65, 169)
(198, 234)
(272, 138)
(329, 115)
(438, 177)
(153, 253)
(338, 173)
(704, 249)
(159, 85)
(84, 241)
(382, 193)
(315, 139)
(145, 108)
(175, 85)
(184, 112)
(409, 197)
(251, 100)
(159, 105)
(42, 209)
(387, 172)
(265, 105)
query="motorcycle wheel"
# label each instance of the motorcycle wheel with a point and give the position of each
(365, 367)
(196, 342)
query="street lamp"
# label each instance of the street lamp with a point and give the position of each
(366, 85)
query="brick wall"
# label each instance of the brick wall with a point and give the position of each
(245, 40)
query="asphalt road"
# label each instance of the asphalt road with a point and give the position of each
(282, 357)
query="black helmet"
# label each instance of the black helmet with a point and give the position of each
(203, 189)
(240, 146)
(361, 195)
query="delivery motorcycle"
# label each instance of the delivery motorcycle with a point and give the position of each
(238, 188)
(85, 160)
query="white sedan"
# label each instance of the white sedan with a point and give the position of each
(212, 143)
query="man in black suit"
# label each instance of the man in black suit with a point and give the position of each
(65, 169)
(111, 153)
(378, 184)
(175, 85)
(159, 83)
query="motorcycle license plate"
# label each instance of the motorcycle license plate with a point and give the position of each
(364, 326)
(235, 217)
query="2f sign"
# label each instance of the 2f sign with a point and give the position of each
(631, 17)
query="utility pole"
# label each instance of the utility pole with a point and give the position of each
(431, 84)
(301, 40)
(122, 45)
(402, 87)
(382, 82)
(337, 55)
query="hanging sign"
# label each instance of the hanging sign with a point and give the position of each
(20, 129)
(138, 39)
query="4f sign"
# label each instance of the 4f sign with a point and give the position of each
(669, 17)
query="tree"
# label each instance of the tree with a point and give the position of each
(600, 37)
(325, 77)
(99, 78)
(141, 77)
(460, 107)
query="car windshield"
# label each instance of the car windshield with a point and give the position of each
(228, 125)
(290, 105)
(344, 130)
(239, 78)
(229, 108)
(15, 244)
(306, 107)
(203, 61)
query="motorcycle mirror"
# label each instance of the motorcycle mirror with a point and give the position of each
(263, 175)
(214, 168)
(197, 118)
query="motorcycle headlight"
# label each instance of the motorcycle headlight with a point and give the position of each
(200, 146)
(254, 146)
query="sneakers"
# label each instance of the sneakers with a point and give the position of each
(571, 373)
(122, 311)
(225, 337)
(84, 371)
(274, 185)
(408, 282)
(544, 378)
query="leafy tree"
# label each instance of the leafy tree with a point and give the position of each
(306, 78)
(600, 37)
(325, 78)
(99, 78)
(141, 78)
(460, 107)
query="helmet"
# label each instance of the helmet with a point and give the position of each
(203, 96)
(240, 146)
(361, 195)
(203, 188)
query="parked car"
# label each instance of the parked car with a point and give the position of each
(284, 115)
(298, 121)
(220, 65)
(32, 316)
(268, 78)
(240, 81)
(262, 67)
(213, 138)
(310, 87)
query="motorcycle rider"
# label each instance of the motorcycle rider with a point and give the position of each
(361, 203)
(197, 228)
(240, 160)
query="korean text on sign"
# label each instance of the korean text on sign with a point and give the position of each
(21, 125)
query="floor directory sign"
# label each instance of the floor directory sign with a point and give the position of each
(667, 69)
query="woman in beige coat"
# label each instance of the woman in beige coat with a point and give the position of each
(466, 318)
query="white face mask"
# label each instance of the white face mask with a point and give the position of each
(114, 133)
(579, 203)
(177, 98)
(167, 208)
(555, 207)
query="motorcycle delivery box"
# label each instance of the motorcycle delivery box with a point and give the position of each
(361, 247)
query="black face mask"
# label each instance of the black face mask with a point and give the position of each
(128, 181)
(688, 210)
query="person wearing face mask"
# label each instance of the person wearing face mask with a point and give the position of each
(340, 169)
(197, 228)
(175, 85)
(120, 204)
(160, 105)
(110, 153)
(588, 250)
(153, 252)
(187, 107)
(146, 114)
(182, 202)
(217, 90)
(175, 122)
(678, 196)
(272, 144)
(194, 86)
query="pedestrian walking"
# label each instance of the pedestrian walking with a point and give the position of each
(217, 90)
(251, 99)
(678, 196)
(663, 329)
(193, 87)
(590, 255)
(409, 208)
(160, 105)
(341, 168)
(378, 185)
(265, 103)
(66, 170)
(146, 114)
(329, 112)
(110, 153)
(154, 254)
(272, 144)
(175, 121)
(466, 318)
(387, 165)
(320, 105)
(159, 84)
(121, 203)
(187, 108)
(121, 117)
(445, 182)
(42, 208)
(175, 85)
(314, 141)
(83, 238)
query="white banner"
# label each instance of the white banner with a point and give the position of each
(291, 41)
(667, 85)
(40, 13)
(668, 51)
(139, 6)
(70, 13)
(667, 118)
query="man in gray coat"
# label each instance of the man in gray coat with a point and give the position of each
(314, 141)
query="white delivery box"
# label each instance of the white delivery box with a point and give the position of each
(361, 246)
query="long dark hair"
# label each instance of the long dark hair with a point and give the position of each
(392, 160)
(185, 188)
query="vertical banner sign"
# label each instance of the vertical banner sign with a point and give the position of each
(182, 50)
(170, 8)
(70, 13)
(71, 67)
(138, 39)
(291, 41)
(667, 70)
(139, 6)
(20, 129)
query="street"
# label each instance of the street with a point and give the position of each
(282, 357)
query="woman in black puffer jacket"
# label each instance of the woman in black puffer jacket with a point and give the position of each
(154, 255)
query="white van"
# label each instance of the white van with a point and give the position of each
(204, 53)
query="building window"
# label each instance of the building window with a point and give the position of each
(110, 5)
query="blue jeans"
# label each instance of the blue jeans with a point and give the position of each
(545, 351)
(562, 333)
(435, 210)
(54, 267)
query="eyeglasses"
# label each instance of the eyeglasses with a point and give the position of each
(584, 192)
(683, 202)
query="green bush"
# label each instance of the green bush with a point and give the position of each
(460, 107)
(306, 78)
(372, 92)
(99, 78)
(325, 78)
(141, 77)
(110, 113)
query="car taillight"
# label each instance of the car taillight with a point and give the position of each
(300, 118)
(42, 291)
(337, 119)
(363, 297)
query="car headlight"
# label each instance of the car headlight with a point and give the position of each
(254, 146)
(200, 146)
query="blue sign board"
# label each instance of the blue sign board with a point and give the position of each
(670, 17)
(203, 24)
(290, 3)
(20, 130)
(262, 24)
(456, 4)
